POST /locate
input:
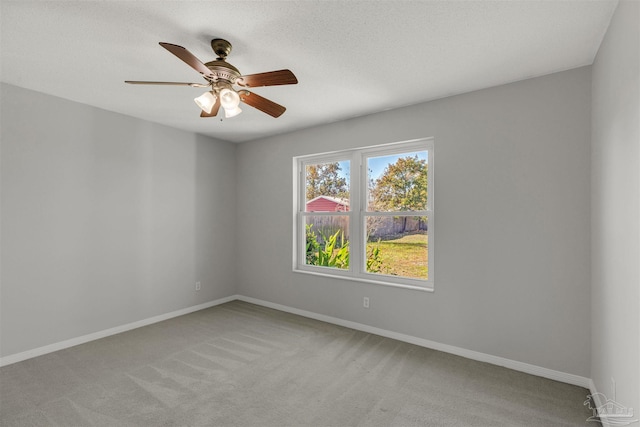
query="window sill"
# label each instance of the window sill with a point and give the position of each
(363, 280)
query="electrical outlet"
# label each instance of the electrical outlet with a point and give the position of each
(365, 302)
(198, 286)
(613, 389)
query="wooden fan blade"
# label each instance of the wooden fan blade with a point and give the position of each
(271, 78)
(214, 110)
(187, 57)
(262, 104)
(137, 82)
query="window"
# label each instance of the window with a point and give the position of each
(367, 214)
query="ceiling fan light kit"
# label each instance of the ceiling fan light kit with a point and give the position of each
(229, 99)
(206, 101)
(221, 77)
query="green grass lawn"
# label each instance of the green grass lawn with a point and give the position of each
(406, 256)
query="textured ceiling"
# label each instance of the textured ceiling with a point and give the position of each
(351, 58)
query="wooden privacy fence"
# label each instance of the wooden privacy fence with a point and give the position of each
(390, 227)
(377, 227)
(327, 226)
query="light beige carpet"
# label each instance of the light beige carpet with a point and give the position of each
(239, 364)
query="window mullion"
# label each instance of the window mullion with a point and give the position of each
(355, 239)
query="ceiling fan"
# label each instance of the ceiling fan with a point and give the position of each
(221, 77)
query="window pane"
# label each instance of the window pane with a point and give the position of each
(397, 182)
(327, 187)
(327, 241)
(397, 246)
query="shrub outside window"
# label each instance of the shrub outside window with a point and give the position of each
(367, 214)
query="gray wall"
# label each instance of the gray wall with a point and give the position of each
(106, 220)
(616, 214)
(512, 222)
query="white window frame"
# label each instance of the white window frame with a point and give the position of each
(357, 213)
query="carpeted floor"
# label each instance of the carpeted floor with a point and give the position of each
(239, 364)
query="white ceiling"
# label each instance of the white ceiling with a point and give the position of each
(351, 57)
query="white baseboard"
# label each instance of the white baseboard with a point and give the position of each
(593, 391)
(469, 354)
(599, 400)
(592, 387)
(19, 357)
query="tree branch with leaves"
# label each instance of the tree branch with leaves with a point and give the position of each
(324, 180)
(402, 187)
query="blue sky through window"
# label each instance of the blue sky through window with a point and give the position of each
(378, 164)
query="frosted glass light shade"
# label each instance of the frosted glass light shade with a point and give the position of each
(232, 112)
(229, 99)
(206, 101)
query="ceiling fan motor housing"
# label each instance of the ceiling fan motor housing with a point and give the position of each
(222, 70)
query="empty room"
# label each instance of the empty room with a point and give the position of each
(320, 213)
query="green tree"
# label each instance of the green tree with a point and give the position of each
(324, 180)
(402, 187)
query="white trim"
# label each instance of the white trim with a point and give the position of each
(357, 157)
(592, 387)
(336, 275)
(594, 392)
(19, 357)
(469, 354)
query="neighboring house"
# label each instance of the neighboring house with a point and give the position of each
(327, 204)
